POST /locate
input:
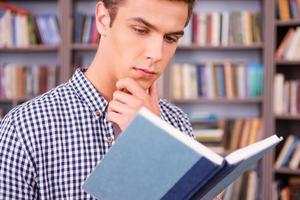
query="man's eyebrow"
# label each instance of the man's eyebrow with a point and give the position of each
(142, 21)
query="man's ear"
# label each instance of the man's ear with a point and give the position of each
(102, 18)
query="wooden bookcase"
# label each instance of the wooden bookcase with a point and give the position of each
(67, 53)
(285, 124)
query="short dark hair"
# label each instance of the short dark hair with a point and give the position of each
(112, 6)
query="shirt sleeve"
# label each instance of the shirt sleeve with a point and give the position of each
(16, 170)
(176, 117)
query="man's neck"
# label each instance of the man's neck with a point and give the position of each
(99, 76)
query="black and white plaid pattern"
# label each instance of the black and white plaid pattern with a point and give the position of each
(49, 145)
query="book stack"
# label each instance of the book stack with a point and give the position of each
(216, 79)
(85, 29)
(224, 29)
(19, 81)
(288, 9)
(19, 28)
(286, 96)
(289, 47)
(289, 155)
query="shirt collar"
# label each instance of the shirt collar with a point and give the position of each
(88, 93)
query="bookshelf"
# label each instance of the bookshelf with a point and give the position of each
(69, 55)
(285, 123)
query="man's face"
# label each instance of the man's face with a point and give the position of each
(143, 38)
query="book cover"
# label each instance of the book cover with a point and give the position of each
(153, 160)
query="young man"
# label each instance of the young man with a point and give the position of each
(49, 145)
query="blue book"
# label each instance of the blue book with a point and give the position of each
(153, 160)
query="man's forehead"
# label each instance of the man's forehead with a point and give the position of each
(160, 13)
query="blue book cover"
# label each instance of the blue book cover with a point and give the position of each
(153, 160)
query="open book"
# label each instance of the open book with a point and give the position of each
(153, 160)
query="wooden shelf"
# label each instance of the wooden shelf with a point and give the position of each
(287, 62)
(287, 171)
(37, 48)
(221, 48)
(281, 23)
(218, 100)
(288, 117)
(84, 47)
(18, 100)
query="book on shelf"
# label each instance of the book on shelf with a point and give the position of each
(288, 9)
(286, 96)
(223, 29)
(22, 29)
(19, 81)
(153, 160)
(84, 29)
(216, 79)
(289, 47)
(289, 155)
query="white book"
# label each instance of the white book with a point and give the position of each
(288, 55)
(241, 83)
(294, 97)
(278, 94)
(210, 84)
(225, 28)
(216, 32)
(202, 29)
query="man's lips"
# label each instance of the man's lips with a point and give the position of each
(145, 72)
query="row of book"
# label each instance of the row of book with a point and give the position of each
(246, 187)
(216, 79)
(21, 29)
(289, 155)
(20, 81)
(229, 134)
(286, 95)
(289, 47)
(223, 29)
(85, 29)
(288, 9)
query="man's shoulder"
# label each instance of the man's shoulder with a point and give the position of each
(42, 103)
(168, 108)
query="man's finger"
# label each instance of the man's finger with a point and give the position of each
(131, 86)
(119, 107)
(127, 99)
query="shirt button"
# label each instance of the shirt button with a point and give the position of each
(98, 113)
(110, 140)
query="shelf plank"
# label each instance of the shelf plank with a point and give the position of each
(91, 47)
(281, 23)
(287, 62)
(17, 100)
(218, 100)
(288, 117)
(287, 171)
(36, 48)
(84, 47)
(221, 48)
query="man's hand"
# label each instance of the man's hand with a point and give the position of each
(128, 99)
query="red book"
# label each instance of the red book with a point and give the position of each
(195, 28)
(13, 8)
(209, 29)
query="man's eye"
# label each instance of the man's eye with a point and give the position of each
(140, 30)
(170, 39)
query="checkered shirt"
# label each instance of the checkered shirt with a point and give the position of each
(49, 145)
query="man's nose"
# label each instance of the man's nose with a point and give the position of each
(154, 49)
